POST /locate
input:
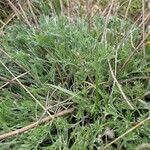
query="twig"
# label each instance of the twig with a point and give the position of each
(4, 79)
(128, 131)
(13, 80)
(119, 86)
(33, 125)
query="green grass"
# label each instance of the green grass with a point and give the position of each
(68, 66)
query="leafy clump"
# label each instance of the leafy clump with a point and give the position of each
(68, 66)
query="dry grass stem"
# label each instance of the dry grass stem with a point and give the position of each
(127, 132)
(127, 10)
(119, 86)
(21, 75)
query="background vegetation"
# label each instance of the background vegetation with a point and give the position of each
(89, 55)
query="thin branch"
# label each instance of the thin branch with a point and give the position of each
(127, 132)
(33, 125)
(119, 86)
(13, 80)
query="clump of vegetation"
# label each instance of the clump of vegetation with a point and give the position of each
(63, 64)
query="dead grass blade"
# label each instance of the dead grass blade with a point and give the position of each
(127, 10)
(4, 25)
(119, 86)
